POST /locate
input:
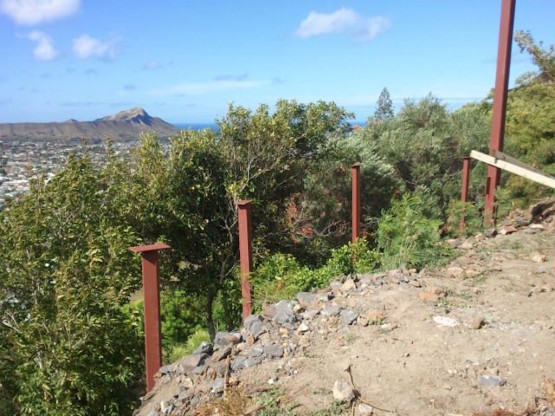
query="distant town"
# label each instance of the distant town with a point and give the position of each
(20, 161)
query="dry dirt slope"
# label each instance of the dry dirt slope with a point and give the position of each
(473, 337)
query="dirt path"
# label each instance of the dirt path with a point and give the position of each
(413, 365)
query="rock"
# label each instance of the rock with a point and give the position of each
(306, 299)
(343, 392)
(256, 352)
(431, 294)
(238, 363)
(303, 328)
(478, 323)
(166, 407)
(284, 317)
(491, 380)
(348, 286)
(335, 285)
(222, 353)
(415, 283)
(218, 386)
(166, 369)
(273, 351)
(537, 226)
(188, 363)
(490, 232)
(508, 229)
(364, 409)
(251, 362)
(330, 310)
(445, 321)
(347, 316)
(538, 257)
(223, 339)
(204, 348)
(254, 326)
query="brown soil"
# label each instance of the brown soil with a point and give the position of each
(413, 366)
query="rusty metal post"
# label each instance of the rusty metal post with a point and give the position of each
(153, 334)
(355, 191)
(499, 103)
(245, 251)
(464, 187)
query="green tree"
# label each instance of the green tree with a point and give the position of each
(65, 272)
(384, 110)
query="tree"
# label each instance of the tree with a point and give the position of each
(384, 111)
(65, 272)
(543, 58)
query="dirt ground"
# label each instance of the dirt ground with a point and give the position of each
(499, 301)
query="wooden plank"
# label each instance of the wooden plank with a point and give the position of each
(520, 169)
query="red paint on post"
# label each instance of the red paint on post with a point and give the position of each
(464, 187)
(151, 289)
(245, 251)
(355, 202)
(499, 102)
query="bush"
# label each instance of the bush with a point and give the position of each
(180, 350)
(280, 276)
(406, 237)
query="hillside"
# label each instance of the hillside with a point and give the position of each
(475, 337)
(123, 125)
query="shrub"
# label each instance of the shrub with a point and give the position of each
(406, 237)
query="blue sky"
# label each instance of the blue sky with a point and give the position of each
(185, 60)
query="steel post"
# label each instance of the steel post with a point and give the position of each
(355, 203)
(499, 103)
(151, 292)
(245, 251)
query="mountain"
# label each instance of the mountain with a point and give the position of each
(127, 124)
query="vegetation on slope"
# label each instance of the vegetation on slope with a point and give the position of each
(70, 337)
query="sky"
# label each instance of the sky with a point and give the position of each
(186, 60)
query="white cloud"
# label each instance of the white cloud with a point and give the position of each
(200, 88)
(45, 50)
(343, 21)
(30, 12)
(86, 46)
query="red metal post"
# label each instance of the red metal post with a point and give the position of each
(153, 334)
(245, 251)
(499, 103)
(464, 187)
(355, 191)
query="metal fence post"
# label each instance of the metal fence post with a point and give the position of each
(499, 104)
(153, 334)
(355, 202)
(245, 251)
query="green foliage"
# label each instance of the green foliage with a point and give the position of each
(195, 339)
(472, 214)
(407, 237)
(425, 145)
(281, 276)
(65, 274)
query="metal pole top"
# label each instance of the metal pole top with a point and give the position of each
(149, 247)
(244, 202)
(356, 165)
